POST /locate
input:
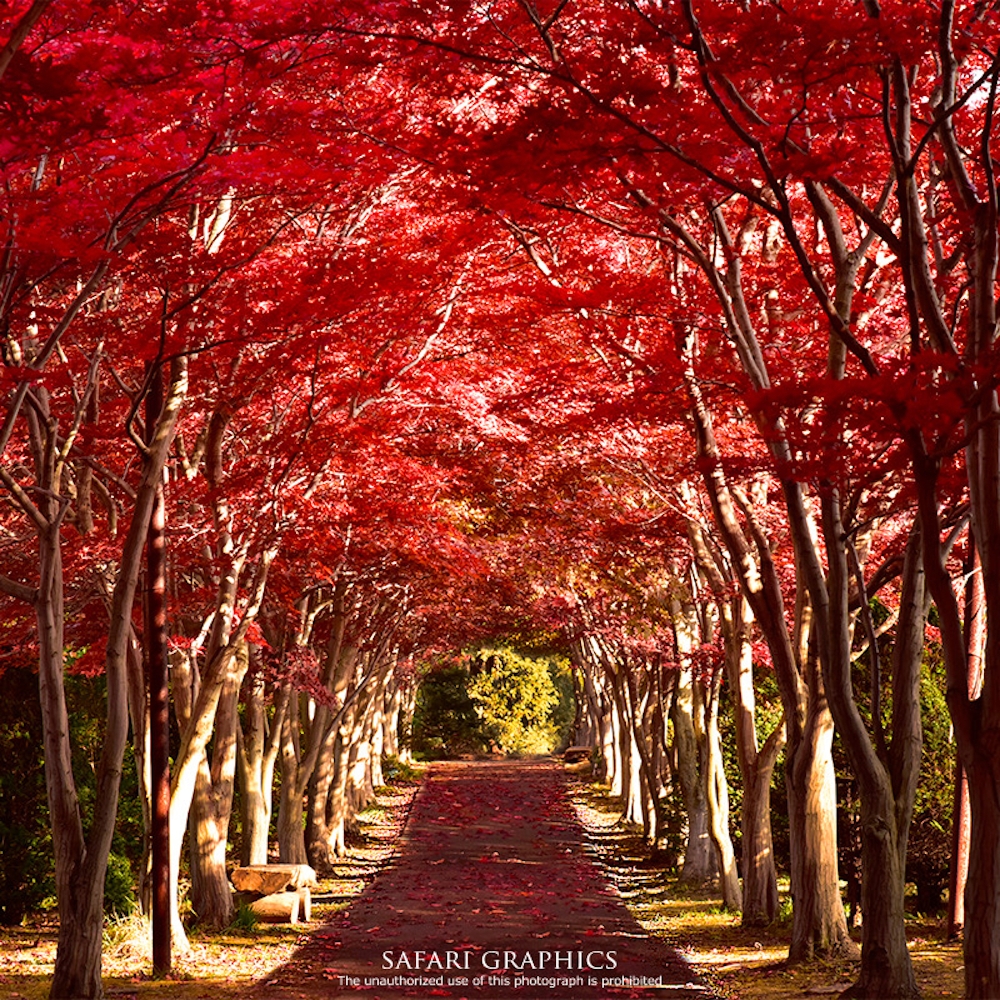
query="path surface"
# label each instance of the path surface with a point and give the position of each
(490, 897)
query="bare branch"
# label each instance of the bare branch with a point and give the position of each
(21, 30)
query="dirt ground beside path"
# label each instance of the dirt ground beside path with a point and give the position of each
(490, 897)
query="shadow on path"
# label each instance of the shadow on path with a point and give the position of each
(490, 897)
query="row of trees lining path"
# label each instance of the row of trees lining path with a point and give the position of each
(492, 873)
(664, 332)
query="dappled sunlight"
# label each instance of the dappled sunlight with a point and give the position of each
(224, 965)
(489, 881)
(739, 962)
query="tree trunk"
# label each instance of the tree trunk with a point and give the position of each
(717, 798)
(982, 894)
(319, 835)
(258, 754)
(138, 708)
(886, 970)
(961, 830)
(81, 936)
(604, 716)
(211, 896)
(197, 706)
(886, 771)
(291, 832)
(819, 925)
(80, 896)
(212, 805)
(81, 863)
(975, 639)
(635, 799)
(760, 882)
(336, 805)
(390, 719)
(686, 712)
(317, 829)
(628, 754)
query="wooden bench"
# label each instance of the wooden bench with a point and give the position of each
(277, 894)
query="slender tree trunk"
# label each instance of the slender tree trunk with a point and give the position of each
(257, 757)
(982, 894)
(80, 896)
(362, 789)
(760, 882)
(318, 833)
(699, 863)
(819, 925)
(975, 639)
(81, 863)
(604, 715)
(631, 780)
(138, 708)
(375, 779)
(614, 762)
(635, 799)
(336, 803)
(212, 805)
(390, 719)
(958, 875)
(687, 714)
(982, 749)
(407, 708)
(197, 705)
(717, 798)
(291, 832)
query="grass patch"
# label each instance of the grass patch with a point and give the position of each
(739, 963)
(221, 965)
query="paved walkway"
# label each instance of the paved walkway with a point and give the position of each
(491, 897)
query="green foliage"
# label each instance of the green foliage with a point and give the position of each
(395, 770)
(86, 697)
(928, 856)
(929, 846)
(445, 723)
(119, 887)
(26, 877)
(563, 714)
(245, 919)
(937, 762)
(503, 700)
(27, 881)
(672, 825)
(523, 711)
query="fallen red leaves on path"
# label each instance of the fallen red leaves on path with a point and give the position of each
(491, 896)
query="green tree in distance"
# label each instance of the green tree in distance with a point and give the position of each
(517, 700)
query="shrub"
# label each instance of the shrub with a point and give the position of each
(514, 696)
(245, 919)
(26, 875)
(445, 723)
(119, 887)
(394, 769)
